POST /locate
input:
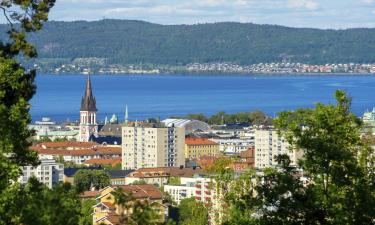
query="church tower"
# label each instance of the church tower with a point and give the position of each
(87, 122)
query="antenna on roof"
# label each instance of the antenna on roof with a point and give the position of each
(126, 116)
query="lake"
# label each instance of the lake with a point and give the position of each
(59, 96)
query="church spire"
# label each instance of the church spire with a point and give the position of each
(88, 102)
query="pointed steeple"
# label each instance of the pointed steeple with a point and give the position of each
(88, 102)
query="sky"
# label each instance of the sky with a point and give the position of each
(335, 14)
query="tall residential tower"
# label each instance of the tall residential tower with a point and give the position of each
(156, 146)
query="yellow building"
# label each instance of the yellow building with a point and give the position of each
(107, 212)
(198, 147)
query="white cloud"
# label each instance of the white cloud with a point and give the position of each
(368, 1)
(303, 4)
(295, 13)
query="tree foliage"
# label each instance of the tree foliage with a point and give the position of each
(84, 180)
(337, 165)
(136, 42)
(86, 212)
(35, 204)
(192, 212)
(16, 89)
(256, 117)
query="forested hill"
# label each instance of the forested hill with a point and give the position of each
(125, 42)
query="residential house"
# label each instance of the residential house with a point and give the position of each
(106, 211)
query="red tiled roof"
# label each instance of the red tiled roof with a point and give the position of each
(67, 144)
(109, 205)
(89, 194)
(199, 141)
(91, 151)
(248, 153)
(142, 191)
(110, 161)
(165, 171)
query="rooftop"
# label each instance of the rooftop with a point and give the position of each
(165, 171)
(142, 191)
(199, 141)
(109, 161)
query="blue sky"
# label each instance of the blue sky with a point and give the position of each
(335, 14)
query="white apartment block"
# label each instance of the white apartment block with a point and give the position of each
(233, 146)
(179, 192)
(148, 147)
(200, 188)
(48, 172)
(269, 144)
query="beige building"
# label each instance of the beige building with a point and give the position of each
(198, 147)
(269, 144)
(107, 212)
(148, 147)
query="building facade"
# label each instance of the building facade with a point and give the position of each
(148, 147)
(88, 125)
(198, 147)
(106, 211)
(268, 144)
(48, 172)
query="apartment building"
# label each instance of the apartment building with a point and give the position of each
(268, 144)
(106, 211)
(180, 192)
(233, 146)
(198, 147)
(201, 188)
(78, 155)
(48, 172)
(148, 147)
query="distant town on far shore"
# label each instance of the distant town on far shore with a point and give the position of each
(85, 66)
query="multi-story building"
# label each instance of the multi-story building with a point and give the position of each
(186, 189)
(233, 146)
(147, 147)
(76, 152)
(159, 176)
(268, 144)
(198, 147)
(46, 128)
(106, 211)
(48, 172)
(203, 189)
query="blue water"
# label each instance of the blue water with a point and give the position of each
(162, 96)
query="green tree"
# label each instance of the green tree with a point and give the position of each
(35, 204)
(84, 180)
(86, 211)
(139, 182)
(16, 89)
(192, 212)
(174, 180)
(342, 182)
(200, 117)
(337, 165)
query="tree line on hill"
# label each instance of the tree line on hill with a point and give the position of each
(136, 42)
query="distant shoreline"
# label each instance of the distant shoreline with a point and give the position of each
(213, 74)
